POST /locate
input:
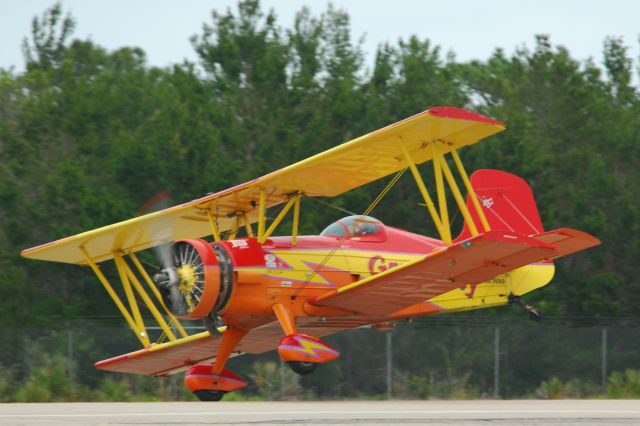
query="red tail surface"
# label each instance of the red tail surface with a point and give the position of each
(507, 202)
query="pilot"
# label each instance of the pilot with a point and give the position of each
(356, 228)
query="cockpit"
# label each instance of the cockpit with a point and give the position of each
(361, 227)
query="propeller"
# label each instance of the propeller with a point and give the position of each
(195, 279)
(179, 262)
(163, 251)
(182, 280)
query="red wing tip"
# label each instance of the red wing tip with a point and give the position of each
(106, 362)
(27, 251)
(462, 114)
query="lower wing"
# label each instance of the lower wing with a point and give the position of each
(172, 357)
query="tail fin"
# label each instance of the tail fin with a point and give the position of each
(506, 201)
(508, 204)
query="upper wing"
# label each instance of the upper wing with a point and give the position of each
(472, 261)
(330, 173)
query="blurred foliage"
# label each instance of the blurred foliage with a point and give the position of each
(87, 135)
(620, 384)
(574, 388)
(274, 381)
(624, 384)
(447, 360)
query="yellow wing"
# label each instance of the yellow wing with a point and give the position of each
(330, 173)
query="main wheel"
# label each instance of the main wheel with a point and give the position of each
(302, 368)
(209, 395)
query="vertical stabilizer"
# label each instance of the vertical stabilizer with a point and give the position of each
(507, 202)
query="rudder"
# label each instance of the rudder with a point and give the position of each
(506, 201)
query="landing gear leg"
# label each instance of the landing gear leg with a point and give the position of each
(211, 382)
(301, 352)
(230, 339)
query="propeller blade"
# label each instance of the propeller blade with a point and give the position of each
(164, 253)
(164, 250)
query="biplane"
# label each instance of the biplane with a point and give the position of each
(256, 292)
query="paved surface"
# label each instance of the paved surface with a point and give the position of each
(503, 413)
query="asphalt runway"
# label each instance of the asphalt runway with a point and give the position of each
(483, 412)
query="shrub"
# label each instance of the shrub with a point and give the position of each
(624, 385)
(554, 388)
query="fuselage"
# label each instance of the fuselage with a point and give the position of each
(294, 274)
(281, 272)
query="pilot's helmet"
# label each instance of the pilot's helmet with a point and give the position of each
(356, 228)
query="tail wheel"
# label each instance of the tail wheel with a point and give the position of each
(302, 368)
(209, 395)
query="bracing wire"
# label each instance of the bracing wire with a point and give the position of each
(380, 196)
(317, 269)
(333, 207)
(373, 204)
(162, 337)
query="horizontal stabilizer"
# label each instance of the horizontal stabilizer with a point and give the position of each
(568, 240)
(474, 260)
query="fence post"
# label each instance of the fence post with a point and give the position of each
(389, 364)
(604, 360)
(69, 351)
(496, 363)
(283, 392)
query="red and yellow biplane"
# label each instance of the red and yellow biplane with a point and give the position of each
(258, 292)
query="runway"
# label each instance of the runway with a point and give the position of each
(484, 412)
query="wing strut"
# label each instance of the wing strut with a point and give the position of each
(262, 238)
(438, 159)
(214, 226)
(425, 194)
(457, 195)
(442, 173)
(144, 340)
(131, 282)
(470, 191)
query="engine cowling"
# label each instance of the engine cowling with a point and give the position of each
(199, 281)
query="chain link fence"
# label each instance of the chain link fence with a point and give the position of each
(455, 357)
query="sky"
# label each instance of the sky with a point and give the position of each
(471, 29)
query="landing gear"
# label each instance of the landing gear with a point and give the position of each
(301, 352)
(302, 368)
(534, 313)
(207, 386)
(211, 382)
(209, 395)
